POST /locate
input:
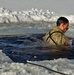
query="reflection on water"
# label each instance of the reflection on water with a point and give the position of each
(24, 47)
(56, 51)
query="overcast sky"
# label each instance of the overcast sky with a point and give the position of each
(59, 6)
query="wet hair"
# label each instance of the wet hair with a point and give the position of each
(62, 20)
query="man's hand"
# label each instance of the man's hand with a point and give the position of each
(67, 41)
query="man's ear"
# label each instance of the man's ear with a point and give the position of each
(61, 24)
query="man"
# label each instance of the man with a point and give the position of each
(56, 35)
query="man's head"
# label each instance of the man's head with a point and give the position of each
(63, 23)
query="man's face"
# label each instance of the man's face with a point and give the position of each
(64, 27)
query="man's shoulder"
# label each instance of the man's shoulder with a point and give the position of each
(56, 32)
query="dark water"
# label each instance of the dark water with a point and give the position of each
(20, 48)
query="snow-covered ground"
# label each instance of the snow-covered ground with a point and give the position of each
(7, 16)
(8, 67)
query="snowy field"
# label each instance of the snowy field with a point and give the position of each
(22, 24)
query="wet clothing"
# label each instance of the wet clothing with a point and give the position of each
(55, 37)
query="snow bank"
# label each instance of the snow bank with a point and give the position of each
(7, 16)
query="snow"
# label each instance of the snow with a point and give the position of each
(8, 67)
(7, 16)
